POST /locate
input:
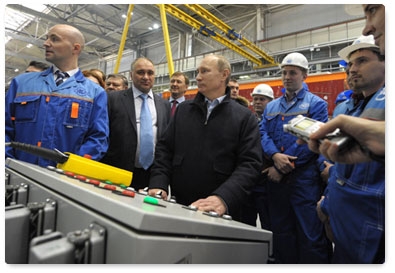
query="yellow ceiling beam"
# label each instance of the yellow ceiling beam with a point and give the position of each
(229, 31)
(176, 12)
(166, 37)
(123, 39)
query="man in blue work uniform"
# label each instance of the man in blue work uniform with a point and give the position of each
(294, 184)
(256, 205)
(354, 201)
(66, 112)
(340, 102)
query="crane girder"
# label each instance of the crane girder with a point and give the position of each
(198, 9)
(186, 18)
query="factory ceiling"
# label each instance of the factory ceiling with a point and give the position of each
(103, 24)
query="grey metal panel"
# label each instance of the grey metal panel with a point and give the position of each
(173, 218)
(197, 251)
(17, 234)
(137, 232)
(56, 250)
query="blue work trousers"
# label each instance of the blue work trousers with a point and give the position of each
(298, 234)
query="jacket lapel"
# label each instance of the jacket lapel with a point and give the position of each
(128, 103)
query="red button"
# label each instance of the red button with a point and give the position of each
(81, 177)
(94, 182)
(110, 187)
(128, 193)
(69, 174)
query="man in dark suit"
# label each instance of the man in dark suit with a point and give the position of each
(125, 109)
(179, 83)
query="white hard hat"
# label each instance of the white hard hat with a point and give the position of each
(361, 42)
(264, 90)
(295, 59)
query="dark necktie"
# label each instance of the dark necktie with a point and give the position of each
(60, 76)
(173, 107)
(146, 156)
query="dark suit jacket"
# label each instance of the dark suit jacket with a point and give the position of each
(123, 131)
(199, 157)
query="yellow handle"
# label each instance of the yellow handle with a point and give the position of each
(97, 170)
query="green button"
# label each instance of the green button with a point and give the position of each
(151, 200)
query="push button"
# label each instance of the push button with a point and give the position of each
(227, 217)
(211, 213)
(190, 207)
(153, 201)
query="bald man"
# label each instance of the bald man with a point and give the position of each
(57, 108)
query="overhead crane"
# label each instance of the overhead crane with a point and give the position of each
(204, 30)
(230, 33)
(189, 20)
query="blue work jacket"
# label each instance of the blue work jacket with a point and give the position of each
(71, 117)
(355, 200)
(278, 112)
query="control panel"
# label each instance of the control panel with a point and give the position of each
(115, 224)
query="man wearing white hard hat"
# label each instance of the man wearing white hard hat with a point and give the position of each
(355, 196)
(256, 205)
(294, 182)
(363, 42)
(261, 96)
(353, 103)
(375, 25)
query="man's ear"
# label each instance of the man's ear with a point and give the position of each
(225, 73)
(77, 48)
